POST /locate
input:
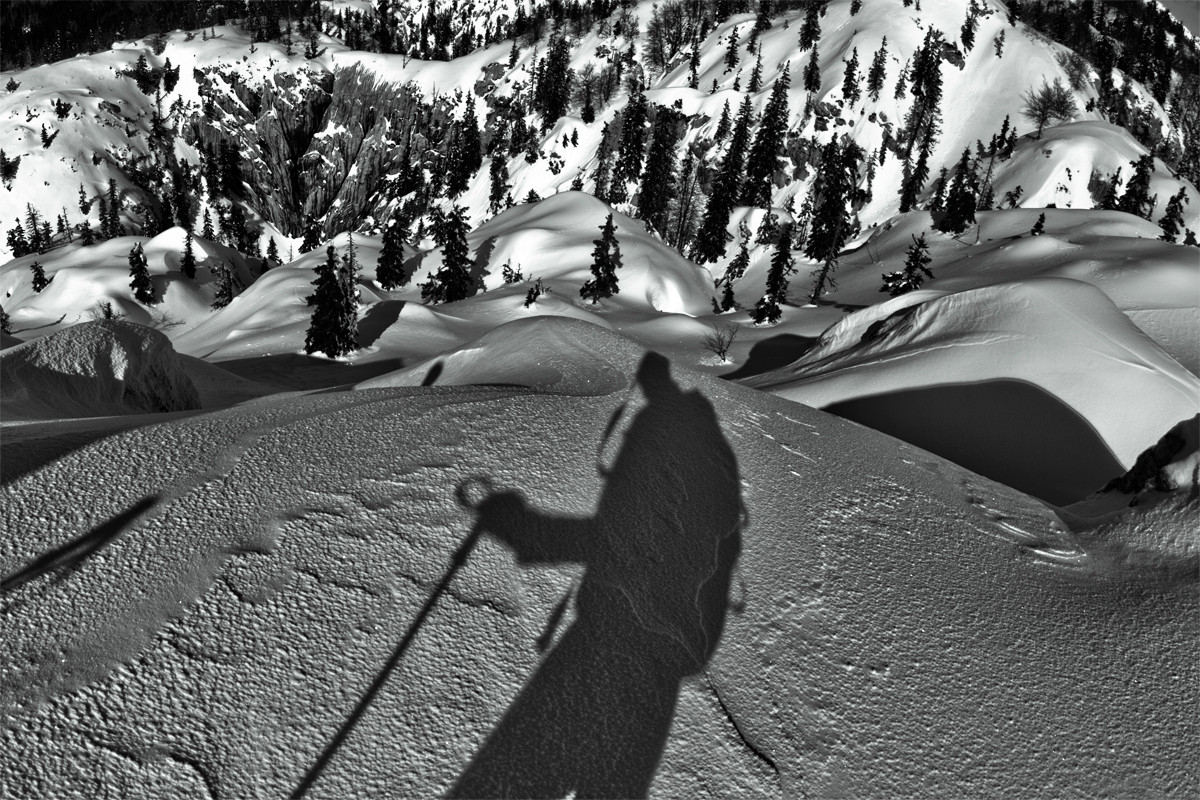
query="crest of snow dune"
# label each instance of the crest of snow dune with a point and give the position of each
(92, 370)
(566, 356)
(1037, 345)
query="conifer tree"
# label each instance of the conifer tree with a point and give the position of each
(453, 281)
(312, 233)
(39, 277)
(85, 205)
(603, 164)
(830, 226)
(960, 202)
(5, 322)
(723, 124)
(187, 264)
(472, 146)
(139, 275)
(390, 271)
(606, 260)
(1190, 237)
(810, 30)
(1136, 199)
(633, 144)
(498, 175)
(969, 26)
(914, 273)
(327, 332)
(1039, 226)
(115, 228)
(207, 231)
(878, 72)
(86, 237)
(850, 88)
(764, 155)
(1109, 201)
(710, 241)
(1172, 219)
(855, 7)
(812, 73)
(737, 267)
(349, 278)
(938, 203)
(658, 179)
(731, 53)
(768, 310)
(756, 76)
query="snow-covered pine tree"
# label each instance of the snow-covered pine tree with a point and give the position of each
(1172, 220)
(498, 176)
(723, 125)
(755, 85)
(658, 179)
(851, 91)
(312, 232)
(453, 280)
(938, 201)
(764, 159)
(390, 271)
(830, 226)
(633, 145)
(187, 264)
(139, 276)
(327, 331)
(606, 260)
(878, 72)
(914, 273)
(1039, 226)
(39, 277)
(768, 310)
(710, 241)
(960, 202)
(731, 52)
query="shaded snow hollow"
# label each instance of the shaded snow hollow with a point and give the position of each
(92, 370)
(681, 587)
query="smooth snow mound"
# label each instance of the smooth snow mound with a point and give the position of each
(95, 369)
(1001, 379)
(558, 354)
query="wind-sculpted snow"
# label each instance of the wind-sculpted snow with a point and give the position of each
(93, 370)
(679, 588)
(1063, 340)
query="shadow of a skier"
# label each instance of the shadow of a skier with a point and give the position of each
(659, 555)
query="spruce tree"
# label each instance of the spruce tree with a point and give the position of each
(731, 53)
(812, 73)
(498, 175)
(850, 88)
(768, 310)
(960, 202)
(938, 203)
(723, 124)
(1109, 201)
(390, 271)
(312, 233)
(1172, 219)
(472, 145)
(139, 275)
(810, 30)
(1039, 226)
(878, 72)
(710, 241)
(658, 179)
(114, 211)
(224, 292)
(1190, 237)
(349, 279)
(914, 273)
(453, 281)
(756, 76)
(272, 251)
(764, 155)
(737, 268)
(606, 260)
(39, 277)
(327, 331)
(588, 114)
(5, 322)
(1136, 199)
(188, 264)
(830, 229)
(633, 145)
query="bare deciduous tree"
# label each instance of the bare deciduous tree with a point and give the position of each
(1052, 102)
(719, 341)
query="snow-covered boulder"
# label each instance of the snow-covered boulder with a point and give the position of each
(95, 369)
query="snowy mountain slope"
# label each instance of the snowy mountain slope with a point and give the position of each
(877, 616)
(1063, 337)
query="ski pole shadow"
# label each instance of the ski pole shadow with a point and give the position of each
(78, 550)
(650, 609)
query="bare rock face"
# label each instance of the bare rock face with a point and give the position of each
(95, 369)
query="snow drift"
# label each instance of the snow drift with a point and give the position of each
(92, 370)
(1042, 384)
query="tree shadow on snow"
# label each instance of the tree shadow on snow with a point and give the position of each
(659, 554)
(773, 353)
(299, 372)
(379, 317)
(479, 267)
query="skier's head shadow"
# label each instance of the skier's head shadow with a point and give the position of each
(659, 555)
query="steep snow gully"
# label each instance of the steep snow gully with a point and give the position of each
(677, 587)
